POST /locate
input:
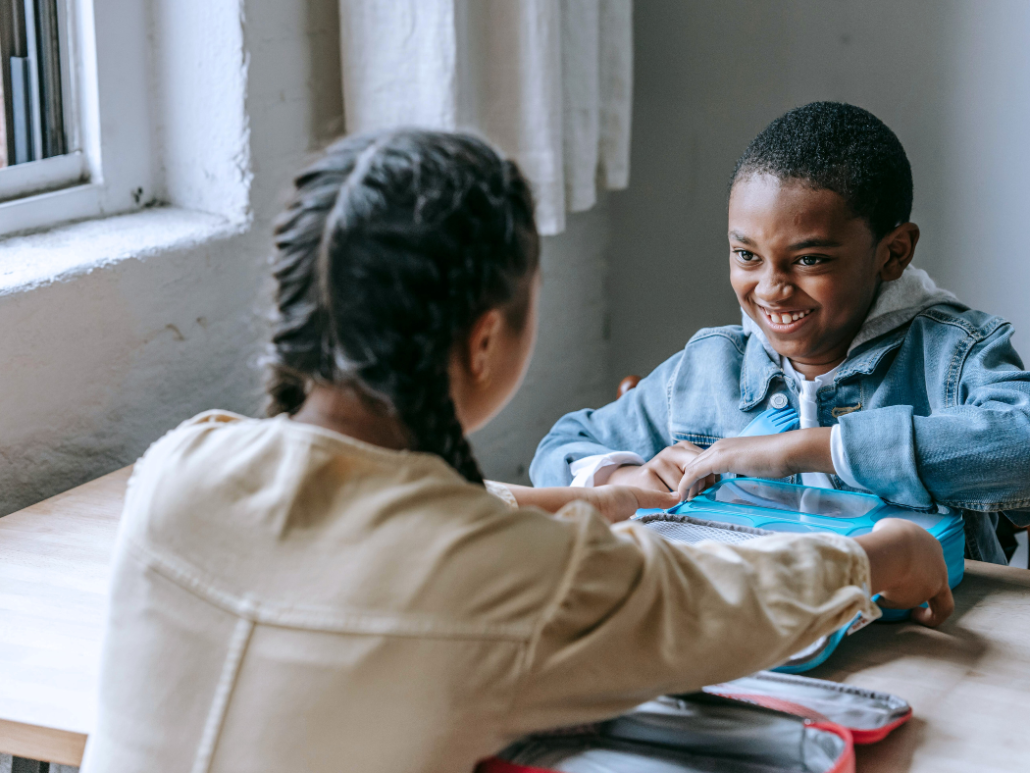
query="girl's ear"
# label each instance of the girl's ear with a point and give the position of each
(483, 341)
(900, 245)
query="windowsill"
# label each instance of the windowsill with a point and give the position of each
(66, 251)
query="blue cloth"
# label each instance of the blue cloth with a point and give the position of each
(934, 412)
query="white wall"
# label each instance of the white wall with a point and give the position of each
(102, 359)
(952, 79)
(98, 359)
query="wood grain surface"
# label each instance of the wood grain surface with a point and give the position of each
(54, 559)
(968, 682)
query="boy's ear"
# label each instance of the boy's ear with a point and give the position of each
(899, 247)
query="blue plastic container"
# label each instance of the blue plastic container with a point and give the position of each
(785, 507)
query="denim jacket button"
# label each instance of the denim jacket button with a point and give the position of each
(778, 401)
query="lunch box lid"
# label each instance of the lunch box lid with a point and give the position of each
(789, 507)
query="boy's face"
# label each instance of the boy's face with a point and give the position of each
(805, 269)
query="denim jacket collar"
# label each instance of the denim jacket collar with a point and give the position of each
(760, 365)
(867, 357)
(884, 330)
(758, 368)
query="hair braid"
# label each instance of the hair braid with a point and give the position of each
(296, 353)
(393, 246)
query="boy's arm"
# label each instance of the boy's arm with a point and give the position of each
(764, 456)
(972, 454)
(638, 422)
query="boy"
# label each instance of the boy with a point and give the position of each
(902, 390)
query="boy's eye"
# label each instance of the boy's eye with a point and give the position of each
(745, 256)
(809, 260)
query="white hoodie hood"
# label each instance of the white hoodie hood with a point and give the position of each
(896, 304)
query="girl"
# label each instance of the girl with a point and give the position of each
(334, 588)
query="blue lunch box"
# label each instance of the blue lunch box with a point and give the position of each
(749, 507)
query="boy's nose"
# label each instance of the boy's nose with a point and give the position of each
(773, 289)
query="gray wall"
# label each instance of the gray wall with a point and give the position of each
(951, 78)
(98, 361)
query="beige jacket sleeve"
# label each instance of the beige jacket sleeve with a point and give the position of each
(502, 492)
(636, 616)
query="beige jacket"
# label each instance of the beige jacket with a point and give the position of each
(289, 599)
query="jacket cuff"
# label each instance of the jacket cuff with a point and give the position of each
(595, 470)
(860, 576)
(502, 492)
(840, 462)
(879, 450)
(553, 467)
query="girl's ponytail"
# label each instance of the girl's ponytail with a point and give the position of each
(392, 247)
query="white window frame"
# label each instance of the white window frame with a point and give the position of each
(106, 78)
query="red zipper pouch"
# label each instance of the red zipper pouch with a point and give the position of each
(764, 723)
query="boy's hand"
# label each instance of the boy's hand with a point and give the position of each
(906, 566)
(663, 472)
(766, 456)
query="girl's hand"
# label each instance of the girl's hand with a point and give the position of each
(617, 503)
(766, 456)
(663, 472)
(906, 566)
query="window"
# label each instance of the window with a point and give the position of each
(70, 149)
(34, 124)
(33, 117)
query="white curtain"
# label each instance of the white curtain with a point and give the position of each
(549, 82)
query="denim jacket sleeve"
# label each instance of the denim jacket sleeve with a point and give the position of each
(637, 422)
(972, 452)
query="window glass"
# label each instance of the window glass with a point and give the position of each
(32, 121)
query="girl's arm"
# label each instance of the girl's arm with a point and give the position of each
(637, 615)
(616, 503)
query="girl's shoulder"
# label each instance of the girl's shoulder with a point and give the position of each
(305, 516)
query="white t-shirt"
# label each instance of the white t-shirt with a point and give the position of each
(595, 470)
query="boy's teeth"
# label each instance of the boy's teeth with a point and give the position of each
(786, 319)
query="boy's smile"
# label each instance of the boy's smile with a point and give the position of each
(805, 269)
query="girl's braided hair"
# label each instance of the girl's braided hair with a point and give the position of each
(392, 246)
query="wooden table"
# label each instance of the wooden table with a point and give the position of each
(968, 682)
(54, 559)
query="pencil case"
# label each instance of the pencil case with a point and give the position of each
(760, 724)
(738, 509)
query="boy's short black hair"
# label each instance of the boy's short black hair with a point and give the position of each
(841, 148)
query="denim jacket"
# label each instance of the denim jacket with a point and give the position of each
(934, 412)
